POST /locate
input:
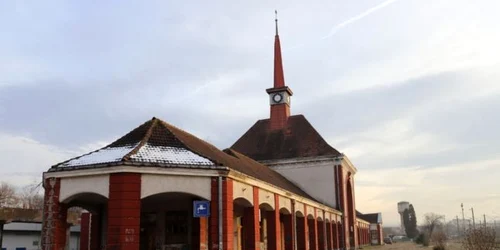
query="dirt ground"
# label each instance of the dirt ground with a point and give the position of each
(410, 246)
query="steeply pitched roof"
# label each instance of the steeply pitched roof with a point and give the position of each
(159, 144)
(297, 139)
(152, 142)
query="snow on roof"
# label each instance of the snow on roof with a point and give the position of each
(151, 143)
(173, 155)
(104, 155)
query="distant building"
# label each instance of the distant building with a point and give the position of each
(376, 232)
(26, 236)
(402, 206)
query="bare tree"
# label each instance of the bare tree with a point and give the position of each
(432, 221)
(30, 197)
(8, 196)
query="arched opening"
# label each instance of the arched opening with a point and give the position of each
(340, 234)
(313, 232)
(351, 225)
(286, 229)
(329, 243)
(320, 225)
(91, 210)
(168, 221)
(267, 223)
(301, 229)
(244, 223)
(335, 235)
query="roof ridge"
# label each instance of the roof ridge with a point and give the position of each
(143, 141)
(168, 126)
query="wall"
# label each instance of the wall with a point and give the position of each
(20, 239)
(316, 178)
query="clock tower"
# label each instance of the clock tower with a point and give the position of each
(279, 94)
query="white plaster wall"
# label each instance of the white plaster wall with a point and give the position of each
(285, 203)
(300, 207)
(152, 184)
(317, 179)
(310, 211)
(241, 190)
(98, 184)
(266, 197)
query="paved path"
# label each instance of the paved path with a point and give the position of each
(409, 246)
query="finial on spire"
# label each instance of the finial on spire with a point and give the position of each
(276, 20)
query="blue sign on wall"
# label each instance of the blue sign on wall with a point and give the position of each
(201, 209)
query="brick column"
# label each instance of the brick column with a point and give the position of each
(203, 233)
(124, 211)
(54, 217)
(85, 231)
(227, 215)
(273, 226)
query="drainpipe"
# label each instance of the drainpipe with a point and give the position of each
(325, 236)
(294, 225)
(1, 233)
(220, 213)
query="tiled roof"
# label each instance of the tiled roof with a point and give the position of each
(152, 142)
(297, 139)
(157, 143)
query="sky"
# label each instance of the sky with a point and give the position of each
(408, 89)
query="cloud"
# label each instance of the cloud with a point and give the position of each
(404, 89)
(25, 159)
(358, 17)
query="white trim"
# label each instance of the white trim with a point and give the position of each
(133, 169)
(280, 191)
(299, 207)
(152, 184)
(97, 184)
(242, 190)
(302, 160)
(347, 163)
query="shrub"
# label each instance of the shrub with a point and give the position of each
(439, 239)
(420, 239)
(482, 238)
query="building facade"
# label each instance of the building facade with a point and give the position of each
(159, 187)
(27, 236)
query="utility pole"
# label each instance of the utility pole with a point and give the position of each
(463, 217)
(473, 219)
(484, 216)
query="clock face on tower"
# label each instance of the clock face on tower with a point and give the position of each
(277, 98)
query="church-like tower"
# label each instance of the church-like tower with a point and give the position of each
(279, 94)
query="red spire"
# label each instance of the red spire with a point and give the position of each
(279, 78)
